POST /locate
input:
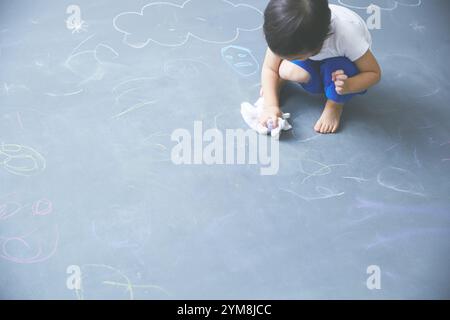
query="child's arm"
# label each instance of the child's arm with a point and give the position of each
(270, 81)
(370, 74)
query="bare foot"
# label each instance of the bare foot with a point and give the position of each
(330, 119)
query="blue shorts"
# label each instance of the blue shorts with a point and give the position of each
(321, 77)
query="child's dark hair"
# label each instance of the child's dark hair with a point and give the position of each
(296, 26)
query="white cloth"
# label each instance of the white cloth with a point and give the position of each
(251, 114)
(350, 36)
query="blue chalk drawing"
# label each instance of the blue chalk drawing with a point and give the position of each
(241, 60)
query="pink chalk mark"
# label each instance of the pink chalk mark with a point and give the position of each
(42, 207)
(4, 213)
(38, 257)
(24, 243)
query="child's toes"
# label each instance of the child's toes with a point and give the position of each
(322, 128)
(331, 128)
(335, 128)
(318, 126)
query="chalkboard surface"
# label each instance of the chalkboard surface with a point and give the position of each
(92, 205)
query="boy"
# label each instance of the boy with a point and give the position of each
(325, 48)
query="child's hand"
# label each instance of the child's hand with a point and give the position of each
(270, 113)
(340, 80)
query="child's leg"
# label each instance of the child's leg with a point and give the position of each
(293, 72)
(330, 120)
(306, 73)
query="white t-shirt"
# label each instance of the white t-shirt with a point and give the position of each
(350, 36)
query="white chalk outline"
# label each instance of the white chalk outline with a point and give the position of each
(19, 120)
(189, 34)
(417, 27)
(136, 106)
(107, 47)
(357, 179)
(396, 5)
(52, 94)
(117, 99)
(323, 171)
(396, 188)
(320, 190)
(12, 87)
(99, 72)
(38, 159)
(127, 284)
(132, 80)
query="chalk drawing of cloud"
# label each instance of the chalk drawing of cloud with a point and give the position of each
(383, 4)
(172, 25)
(400, 180)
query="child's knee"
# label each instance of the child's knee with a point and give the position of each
(292, 72)
(339, 63)
(332, 65)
